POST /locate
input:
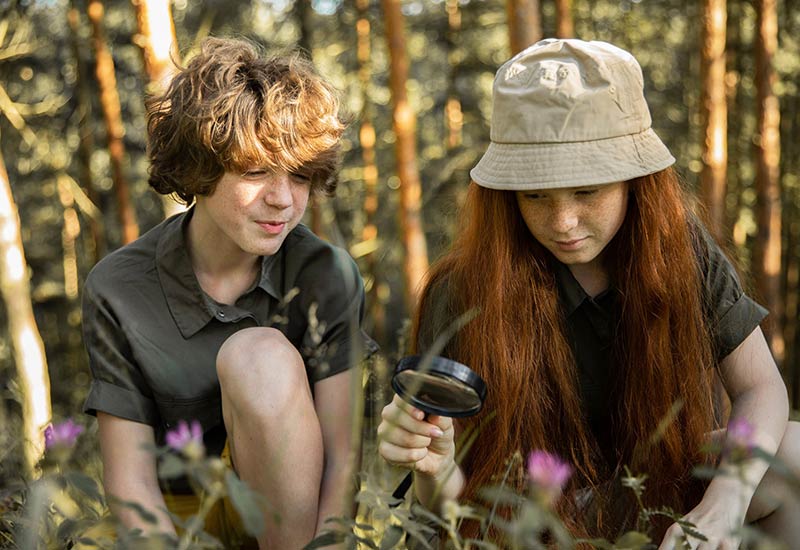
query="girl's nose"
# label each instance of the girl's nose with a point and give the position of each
(564, 217)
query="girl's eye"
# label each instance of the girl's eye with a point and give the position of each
(533, 196)
(586, 192)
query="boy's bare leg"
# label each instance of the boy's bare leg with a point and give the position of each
(273, 431)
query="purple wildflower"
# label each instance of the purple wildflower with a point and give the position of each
(63, 434)
(187, 438)
(548, 472)
(740, 437)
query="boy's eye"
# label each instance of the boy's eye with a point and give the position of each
(252, 174)
(303, 177)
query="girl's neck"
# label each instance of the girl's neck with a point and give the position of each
(592, 277)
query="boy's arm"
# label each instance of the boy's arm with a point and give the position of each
(129, 472)
(334, 403)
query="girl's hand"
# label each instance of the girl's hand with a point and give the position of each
(409, 440)
(719, 520)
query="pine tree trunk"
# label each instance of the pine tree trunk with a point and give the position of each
(715, 115)
(28, 349)
(404, 120)
(524, 24)
(112, 115)
(159, 43)
(366, 136)
(85, 142)
(565, 27)
(304, 43)
(454, 118)
(767, 248)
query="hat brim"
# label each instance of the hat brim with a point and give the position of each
(531, 166)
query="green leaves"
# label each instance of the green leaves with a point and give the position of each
(171, 466)
(246, 502)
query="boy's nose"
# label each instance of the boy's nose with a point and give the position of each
(279, 191)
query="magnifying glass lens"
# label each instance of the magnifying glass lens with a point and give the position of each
(437, 394)
(437, 385)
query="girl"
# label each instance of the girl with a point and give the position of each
(605, 308)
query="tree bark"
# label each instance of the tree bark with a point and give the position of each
(159, 44)
(524, 24)
(85, 141)
(112, 115)
(565, 27)
(454, 118)
(28, 349)
(715, 115)
(366, 136)
(304, 42)
(767, 247)
(404, 121)
(156, 37)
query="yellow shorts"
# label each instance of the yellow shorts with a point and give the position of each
(222, 521)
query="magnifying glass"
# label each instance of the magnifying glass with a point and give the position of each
(440, 386)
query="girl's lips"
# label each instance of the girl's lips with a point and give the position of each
(273, 228)
(570, 245)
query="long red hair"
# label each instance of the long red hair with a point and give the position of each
(662, 354)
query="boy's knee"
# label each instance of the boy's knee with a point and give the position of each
(260, 361)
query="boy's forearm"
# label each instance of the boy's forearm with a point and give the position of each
(336, 493)
(150, 501)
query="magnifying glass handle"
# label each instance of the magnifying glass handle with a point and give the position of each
(402, 489)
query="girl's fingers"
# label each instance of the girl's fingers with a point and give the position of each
(412, 411)
(401, 456)
(401, 437)
(405, 417)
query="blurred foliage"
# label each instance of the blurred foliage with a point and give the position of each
(40, 130)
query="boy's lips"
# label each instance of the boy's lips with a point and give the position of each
(272, 227)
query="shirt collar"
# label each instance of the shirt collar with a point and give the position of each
(187, 302)
(571, 292)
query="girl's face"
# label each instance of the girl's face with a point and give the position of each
(575, 223)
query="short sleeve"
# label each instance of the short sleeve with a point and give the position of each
(334, 305)
(731, 313)
(118, 387)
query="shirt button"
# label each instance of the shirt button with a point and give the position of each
(221, 314)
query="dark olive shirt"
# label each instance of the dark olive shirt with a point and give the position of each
(152, 334)
(591, 323)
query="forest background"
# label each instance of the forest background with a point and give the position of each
(721, 79)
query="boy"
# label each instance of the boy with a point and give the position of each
(233, 313)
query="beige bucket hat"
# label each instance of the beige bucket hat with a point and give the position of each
(569, 113)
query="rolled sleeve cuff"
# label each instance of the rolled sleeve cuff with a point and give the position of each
(121, 402)
(739, 321)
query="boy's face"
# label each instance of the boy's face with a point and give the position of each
(255, 211)
(575, 224)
